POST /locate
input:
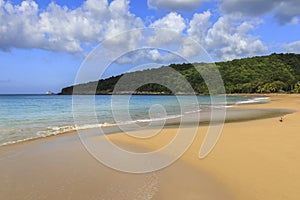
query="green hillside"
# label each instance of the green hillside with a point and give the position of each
(261, 74)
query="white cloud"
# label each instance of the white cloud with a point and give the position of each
(122, 20)
(293, 47)
(170, 30)
(197, 32)
(229, 38)
(189, 48)
(61, 29)
(175, 5)
(284, 11)
(142, 56)
(198, 26)
(19, 21)
(97, 8)
(124, 42)
(172, 21)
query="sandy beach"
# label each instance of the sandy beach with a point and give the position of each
(254, 159)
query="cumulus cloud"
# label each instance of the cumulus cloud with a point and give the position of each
(170, 30)
(62, 29)
(148, 55)
(229, 38)
(293, 47)
(175, 5)
(199, 25)
(59, 28)
(285, 11)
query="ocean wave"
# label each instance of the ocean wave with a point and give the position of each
(158, 118)
(195, 111)
(254, 100)
(13, 135)
(57, 130)
(52, 131)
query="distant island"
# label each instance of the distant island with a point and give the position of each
(274, 73)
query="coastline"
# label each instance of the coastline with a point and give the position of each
(61, 168)
(257, 159)
(233, 115)
(241, 152)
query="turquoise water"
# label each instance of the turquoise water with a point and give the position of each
(24, 117)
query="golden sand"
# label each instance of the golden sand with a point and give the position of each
(257, 159)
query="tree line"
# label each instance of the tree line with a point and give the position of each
(274, 73)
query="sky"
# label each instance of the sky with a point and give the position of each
(43, 43)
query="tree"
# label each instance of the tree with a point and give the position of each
(297, 87)
(263, 74)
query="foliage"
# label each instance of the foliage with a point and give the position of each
(297, 87)
(261, 74)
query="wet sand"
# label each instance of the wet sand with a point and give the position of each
(61, 168)
(256, 159)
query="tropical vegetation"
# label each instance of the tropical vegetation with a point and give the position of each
(275, 73)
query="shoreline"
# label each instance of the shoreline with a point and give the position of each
(61, 168)
(256, 159)
(56, 163)
(234, 114)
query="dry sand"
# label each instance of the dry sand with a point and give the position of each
(257, 159)
(60, 168)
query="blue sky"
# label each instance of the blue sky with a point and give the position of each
(43, 43)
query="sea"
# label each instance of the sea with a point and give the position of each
(27, 117)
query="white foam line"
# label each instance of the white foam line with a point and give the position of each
(255, 100)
